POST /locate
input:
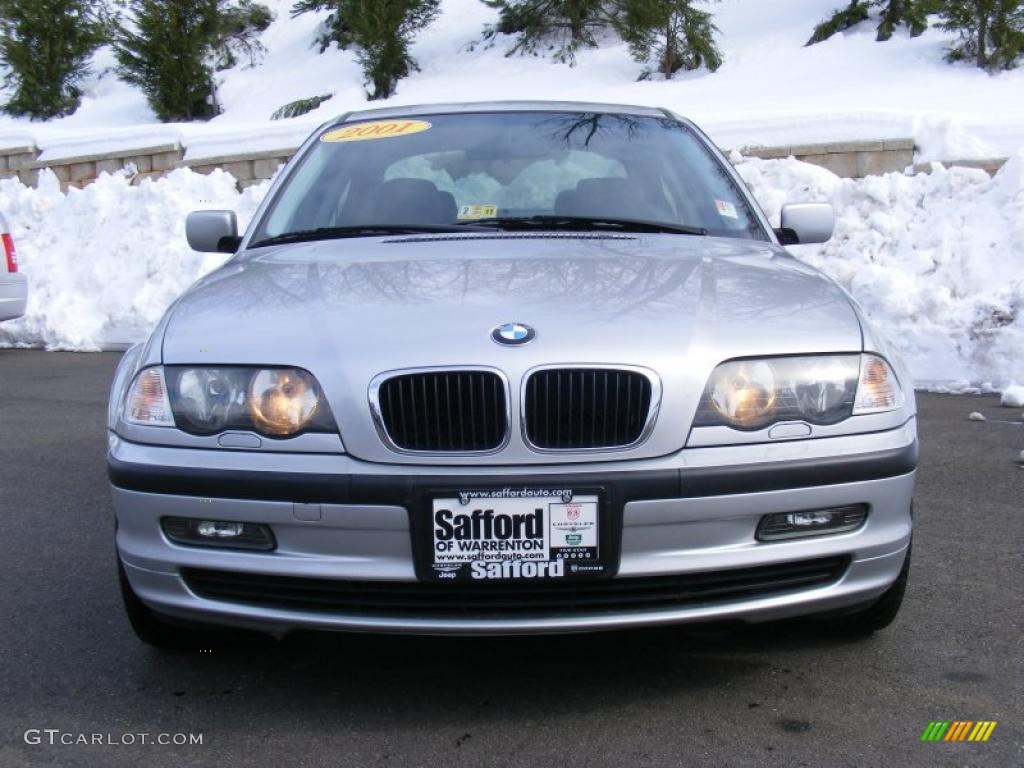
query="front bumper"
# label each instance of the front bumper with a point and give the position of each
(692, 513)
(13, 295)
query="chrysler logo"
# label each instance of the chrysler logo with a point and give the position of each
(513, 333)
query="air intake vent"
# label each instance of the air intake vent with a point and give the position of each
(443, 411)
(477, 600)
(588, 408)
(510, 236)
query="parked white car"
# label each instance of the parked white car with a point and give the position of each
(13, 285)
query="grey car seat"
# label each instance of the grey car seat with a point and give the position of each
(410, 201)
(612, 197)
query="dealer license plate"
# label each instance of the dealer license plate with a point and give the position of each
(515, 533)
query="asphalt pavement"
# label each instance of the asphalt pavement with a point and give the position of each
(753, 696)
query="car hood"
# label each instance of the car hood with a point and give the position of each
(347, 310)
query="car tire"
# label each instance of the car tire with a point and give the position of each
(879, 615)
(160, 632)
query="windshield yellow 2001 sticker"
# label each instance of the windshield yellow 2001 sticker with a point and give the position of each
(478, 211)
(378, 129)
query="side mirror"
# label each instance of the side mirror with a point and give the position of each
(804, 223)
(212, 231)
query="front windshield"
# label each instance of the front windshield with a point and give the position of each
(508, 170)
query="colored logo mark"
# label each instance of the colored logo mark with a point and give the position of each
(958, 730)
(513, 333)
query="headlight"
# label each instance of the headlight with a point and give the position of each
(282, 402)
(277, 402)
(209, 399)
(744, 393)
(753, 394)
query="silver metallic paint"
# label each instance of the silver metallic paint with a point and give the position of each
(350, 310)
(812, 222)
(675, 304)
(13, 286)
(13, 295)
(205, 229)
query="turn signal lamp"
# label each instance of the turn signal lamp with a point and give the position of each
(147, 402)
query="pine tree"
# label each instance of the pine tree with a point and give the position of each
(561, 26)
(239, 25)
(991, 31)
(380, 32)
(668, 35)
(174, 46)
(46, 45)
(913, 14)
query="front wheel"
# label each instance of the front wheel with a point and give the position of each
(879, 615)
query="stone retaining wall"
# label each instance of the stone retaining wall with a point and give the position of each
(991, 166)
(24, 163)
(13, 160)
(851, 159)
(248, 169)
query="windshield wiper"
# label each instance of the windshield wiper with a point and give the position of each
(539, 222)
(363, 230)
(576, 223)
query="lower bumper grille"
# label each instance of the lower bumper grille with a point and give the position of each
(491, 600)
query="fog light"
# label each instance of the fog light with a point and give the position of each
(218, 529)
(815, 522)
(218, 533)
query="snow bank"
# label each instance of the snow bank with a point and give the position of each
(104, 262)
(934, 259)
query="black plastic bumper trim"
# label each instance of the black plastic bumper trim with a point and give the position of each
(496, 599)
(402, 489)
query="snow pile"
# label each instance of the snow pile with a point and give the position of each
(104, 262)
(1013, 396)
(934, 259)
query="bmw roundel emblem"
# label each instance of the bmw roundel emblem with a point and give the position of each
(513, 333)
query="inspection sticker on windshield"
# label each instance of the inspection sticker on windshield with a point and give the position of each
(726, 209)
(378, 129)
(478, 211)
(515, 533)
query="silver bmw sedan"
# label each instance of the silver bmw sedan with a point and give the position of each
(510, 368)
